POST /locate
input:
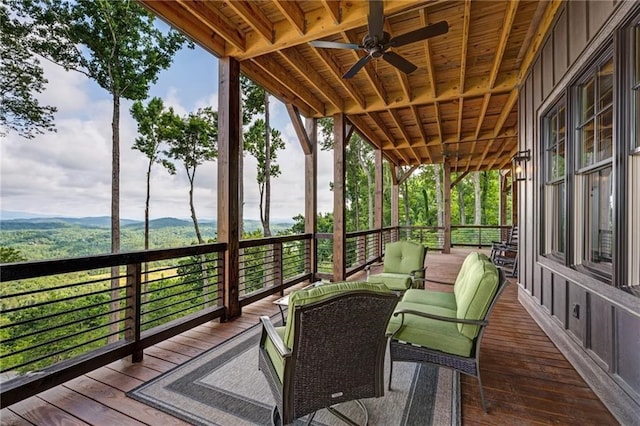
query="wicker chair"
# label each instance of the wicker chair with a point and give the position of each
(504, 254)
(331, 350)
(403, 346)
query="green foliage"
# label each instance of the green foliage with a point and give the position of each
(21, 79)
(11, 255)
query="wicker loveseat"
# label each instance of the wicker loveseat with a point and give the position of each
(445, 328)
(331, 350)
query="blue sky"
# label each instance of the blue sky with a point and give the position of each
(68, 173)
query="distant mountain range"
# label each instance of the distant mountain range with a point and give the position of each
(17, 220)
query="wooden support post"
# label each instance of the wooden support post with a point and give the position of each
(395, 201)
(339, 230)
(446, 247)
(311, 194)
(134, 310)
(229, 144)
(378, 215)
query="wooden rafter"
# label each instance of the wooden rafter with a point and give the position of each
(465, 42)
(298, 126)
(333, 7)
(293, 13)
(252, 15)
(398, 122)
(297, 62)
(423, 134)
(402, 77)
(431, 72)
(213, 19)
(346, 84)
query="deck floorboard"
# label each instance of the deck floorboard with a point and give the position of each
(527, 381)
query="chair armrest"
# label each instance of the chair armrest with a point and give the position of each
(438, 317)
(275, 338)
(439, 282)
(368, 267)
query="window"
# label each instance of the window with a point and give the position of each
(595, 120)
(555, 218)
(594, 184)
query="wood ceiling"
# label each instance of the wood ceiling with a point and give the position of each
(460, 105)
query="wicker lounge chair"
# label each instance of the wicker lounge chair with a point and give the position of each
(446, 328)
(331, 350)
(403, 266)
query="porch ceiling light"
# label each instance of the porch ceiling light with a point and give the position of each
(519, 161)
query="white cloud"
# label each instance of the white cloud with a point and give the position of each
(68, 173)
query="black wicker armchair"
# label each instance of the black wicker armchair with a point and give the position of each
(331, 351)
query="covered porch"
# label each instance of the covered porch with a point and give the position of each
(526, 379)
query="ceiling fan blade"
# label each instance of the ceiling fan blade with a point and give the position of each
(375, 20)
(420, 34)
(334, 45)
(358, 65)
(399, 62)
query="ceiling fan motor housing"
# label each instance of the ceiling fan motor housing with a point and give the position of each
(375, 47)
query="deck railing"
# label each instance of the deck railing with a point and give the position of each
(63, 318)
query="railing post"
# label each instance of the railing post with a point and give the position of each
(479, 237)
(133, 321)
(277, 264)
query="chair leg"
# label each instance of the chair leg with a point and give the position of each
(390, 372)
(484, 405)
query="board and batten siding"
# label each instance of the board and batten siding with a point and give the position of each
(595, 325)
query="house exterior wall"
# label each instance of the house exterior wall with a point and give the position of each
(595, 323)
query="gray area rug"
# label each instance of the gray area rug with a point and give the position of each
(223, 386)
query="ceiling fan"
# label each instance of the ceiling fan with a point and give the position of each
(377, 41)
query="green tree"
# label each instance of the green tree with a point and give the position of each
(11, 255)
(192, 140)
(152, 122)
(21, 78)
(114, 43)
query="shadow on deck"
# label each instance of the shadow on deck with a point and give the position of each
(526, 379)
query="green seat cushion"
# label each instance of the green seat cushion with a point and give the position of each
(481, 284)
(434, 334)
(402, 257)
(443, 299)
(317, 294)
(395, 282)
(274, 355)
(471, 259)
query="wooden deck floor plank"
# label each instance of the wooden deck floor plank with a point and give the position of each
(115, 379)
(40, 412)
(116, 400)
(135, 370)
(167, 355)
(9, 418)
(85, 408)
(178, 347)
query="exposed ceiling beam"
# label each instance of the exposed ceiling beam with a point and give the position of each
(398, 122)
(293, 13)
(209, 16)
(402, 77)
(252, 15)
(298, 126)
(423, 134)
(285, 77)
(465, 43)
(431, 72)
(297, 62)
(346, 83)
(507, 25)
(333, 7)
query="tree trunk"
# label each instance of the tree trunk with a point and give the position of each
(477, 197)
(463, 216)
(203, 258)
(193, 209)
(114, 306)
(267, 168)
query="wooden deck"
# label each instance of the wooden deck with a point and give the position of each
(526, 379)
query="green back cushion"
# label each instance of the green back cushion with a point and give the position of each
(480, 286)
(317, 294)
(471, 258)
(403, 257)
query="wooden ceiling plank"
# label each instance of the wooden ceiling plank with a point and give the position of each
(256, 73)
(293, 13)
(325, 56)
(298, 126)
(333, 7)
(465, 43)
(188, 24)
(423, 134)
(398, 122)
(431, 72)
(320, 25)
(214, 20)
(252, 15)
(313, 77)
(287, 79)
(507, 25)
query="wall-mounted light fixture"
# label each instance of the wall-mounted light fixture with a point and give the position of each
(520, 160)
